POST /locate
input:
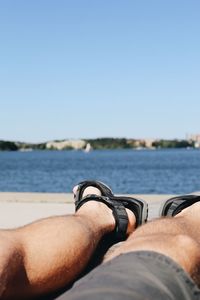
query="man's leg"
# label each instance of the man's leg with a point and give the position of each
(49, 254)
(176, 237)
(150, 264)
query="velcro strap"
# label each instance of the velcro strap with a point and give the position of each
(121, 218)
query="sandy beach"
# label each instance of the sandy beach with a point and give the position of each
(18, 209)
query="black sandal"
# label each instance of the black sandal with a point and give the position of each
(117, 204)
(175, 205)
(104, 189)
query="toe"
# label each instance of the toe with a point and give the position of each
(88, 191)
(91, 190)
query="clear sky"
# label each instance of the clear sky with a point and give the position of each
(97, 68)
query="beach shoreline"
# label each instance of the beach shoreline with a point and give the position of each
(19, 209)
(64, 197)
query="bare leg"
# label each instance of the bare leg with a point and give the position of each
(176, 237)
(49, 254)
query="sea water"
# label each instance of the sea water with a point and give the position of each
(126, 171)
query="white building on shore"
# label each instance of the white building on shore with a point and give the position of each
(74, 144)
(194, 138)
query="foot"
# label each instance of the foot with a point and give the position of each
(102, 212)
(180, 205)
(191, 211)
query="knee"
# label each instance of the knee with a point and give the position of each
(184, 241)
(186, 244)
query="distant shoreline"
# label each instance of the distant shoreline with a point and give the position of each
(104, 149)
(100, 144)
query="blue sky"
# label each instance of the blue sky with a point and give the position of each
(85, 69)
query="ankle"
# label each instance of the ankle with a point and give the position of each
(101, 216)
(98, 215)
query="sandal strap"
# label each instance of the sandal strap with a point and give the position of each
(118, 210)
(104, 189)
(175, 208)
(179, 203)
(121, 218)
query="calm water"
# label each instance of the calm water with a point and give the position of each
(127, 171)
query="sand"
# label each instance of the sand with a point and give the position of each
(18, 209)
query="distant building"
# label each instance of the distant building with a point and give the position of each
(142, 143)
(149, 143)
(74, 144)
(194, 138)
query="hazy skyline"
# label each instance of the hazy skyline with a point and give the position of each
(86, 69)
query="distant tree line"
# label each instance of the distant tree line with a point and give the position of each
(172, 144)
(122, 143)
(14, 146)
(109, 143)
(8, 146)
